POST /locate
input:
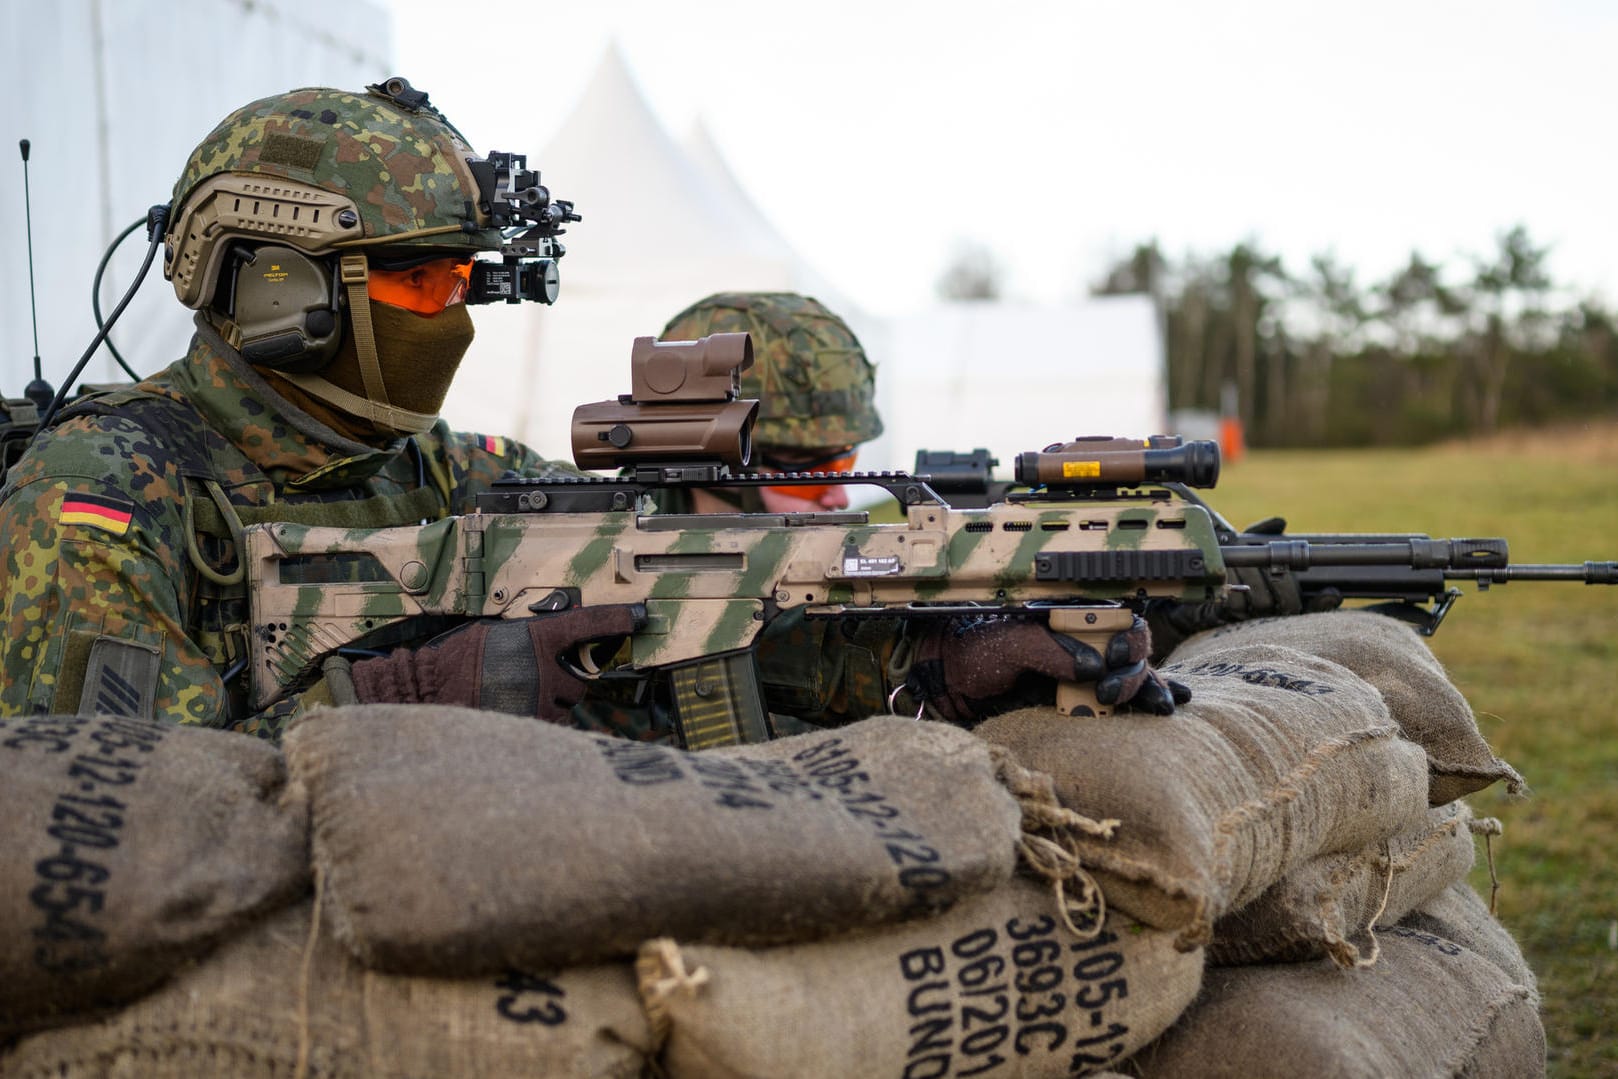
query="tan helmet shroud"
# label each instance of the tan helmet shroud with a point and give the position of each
(235, 205)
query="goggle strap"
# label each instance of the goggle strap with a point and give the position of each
(355, 270)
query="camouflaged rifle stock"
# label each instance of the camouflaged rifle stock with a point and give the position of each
(709, 583)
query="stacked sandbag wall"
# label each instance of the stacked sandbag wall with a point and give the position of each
(415, 890)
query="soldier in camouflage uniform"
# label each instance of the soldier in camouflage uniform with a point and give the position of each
(123, 589)
(816, 390)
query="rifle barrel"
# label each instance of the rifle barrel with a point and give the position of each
(1588, 572)
(1415, 552)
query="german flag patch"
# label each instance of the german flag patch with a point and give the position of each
(98, 511)
(491, 444)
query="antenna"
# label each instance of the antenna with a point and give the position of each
(39, 391)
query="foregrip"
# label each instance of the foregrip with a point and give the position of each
(1095, 626)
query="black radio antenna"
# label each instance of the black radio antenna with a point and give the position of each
(39, 391)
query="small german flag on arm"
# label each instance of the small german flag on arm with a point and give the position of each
(98, 511)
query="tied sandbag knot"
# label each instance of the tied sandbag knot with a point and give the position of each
(1082, 912)
(1049, 849)
(661, 973)
(1488, 828)
(1036, 797)
(1343, 952)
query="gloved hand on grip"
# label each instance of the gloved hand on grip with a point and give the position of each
(969, 669)
(500, 665)
(1261, 593)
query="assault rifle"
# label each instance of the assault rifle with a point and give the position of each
(1105, 525)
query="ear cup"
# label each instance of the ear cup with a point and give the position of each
(286, 306)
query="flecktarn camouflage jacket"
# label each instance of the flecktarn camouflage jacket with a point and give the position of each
(122, 588)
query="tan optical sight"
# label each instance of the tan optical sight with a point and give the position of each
(682, 406)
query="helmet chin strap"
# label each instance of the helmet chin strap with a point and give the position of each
(374, 406)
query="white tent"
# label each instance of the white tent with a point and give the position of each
(1014, 377)
(664, 225)
(113, 96)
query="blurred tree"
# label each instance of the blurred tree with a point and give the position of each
(1413, 358)
(973, 273)
(1250, 282)
(1336, 314)
(1144, 270)
(1508, 312)
(1416, 304)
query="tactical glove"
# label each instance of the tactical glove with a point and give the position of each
(500, 665)
(1262, 593)
(970, 669)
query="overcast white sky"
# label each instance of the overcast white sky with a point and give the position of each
(877, 134)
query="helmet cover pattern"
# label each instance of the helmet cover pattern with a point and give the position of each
(815, 386)
(405, 170)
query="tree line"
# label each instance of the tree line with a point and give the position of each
(1317, 359)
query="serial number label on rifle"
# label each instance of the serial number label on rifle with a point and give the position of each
(1026, 989)
(857, 564)
(82, 828)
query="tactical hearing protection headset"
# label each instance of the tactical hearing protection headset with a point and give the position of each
(285, 306)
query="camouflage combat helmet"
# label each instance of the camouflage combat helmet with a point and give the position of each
(810, 373)
(324, 171)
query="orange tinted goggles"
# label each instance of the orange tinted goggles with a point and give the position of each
(808, 492)
(426, 289)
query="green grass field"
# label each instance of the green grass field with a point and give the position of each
(1539, 663)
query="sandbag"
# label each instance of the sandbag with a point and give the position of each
(272, 1004)
(996, 986)
(127, 847)
(1427, 1008)
(453, 841)
(1395, 659)
(1278, 757)
(1328, 905)
(1460, 915)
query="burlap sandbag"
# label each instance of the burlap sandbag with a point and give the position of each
(1459, 914)
(1328, 905)
(996, 986)
(1427, 1008)
(273, 1004)
(1395, 659)
(455, 842)
(128, 846)
(1278, 757)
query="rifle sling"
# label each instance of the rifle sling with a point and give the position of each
(378, 511)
